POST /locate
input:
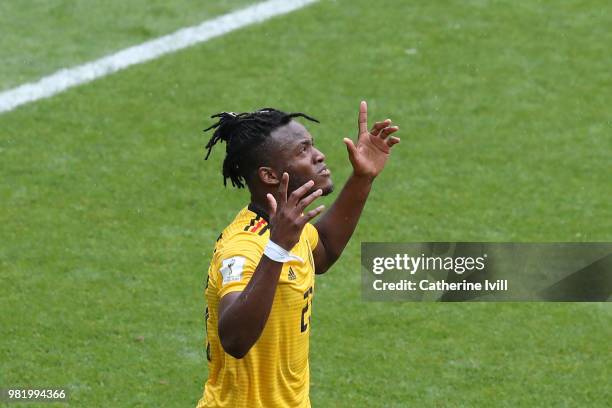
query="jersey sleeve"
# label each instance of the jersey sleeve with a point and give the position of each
(236, 263)
(312, 235)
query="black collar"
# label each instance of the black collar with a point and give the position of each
(257, 209)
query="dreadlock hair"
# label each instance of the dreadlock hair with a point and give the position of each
(244, 134)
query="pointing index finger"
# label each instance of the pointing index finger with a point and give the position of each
(363, 118)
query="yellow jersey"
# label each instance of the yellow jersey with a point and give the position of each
(275, 371)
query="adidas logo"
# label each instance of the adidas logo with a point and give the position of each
(291, 274)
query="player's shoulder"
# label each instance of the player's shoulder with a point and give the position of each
(250, 227)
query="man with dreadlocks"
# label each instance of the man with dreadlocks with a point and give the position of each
(261, 279)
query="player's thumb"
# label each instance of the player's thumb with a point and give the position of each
(271, 204)
(350, 147)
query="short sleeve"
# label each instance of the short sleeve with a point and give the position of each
(236, 263)
(312, 235)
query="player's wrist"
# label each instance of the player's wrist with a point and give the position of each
(284, 242)
(363, 177)
(278, 253)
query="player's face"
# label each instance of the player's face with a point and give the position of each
(298, 156)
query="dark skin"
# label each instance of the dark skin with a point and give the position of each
(296, 177)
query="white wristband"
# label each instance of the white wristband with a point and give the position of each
(279, 254)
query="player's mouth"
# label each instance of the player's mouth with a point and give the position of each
(325, 172)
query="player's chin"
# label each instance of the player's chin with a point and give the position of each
(327, 186)
(329, 189)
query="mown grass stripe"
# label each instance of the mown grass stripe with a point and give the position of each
(149, 50)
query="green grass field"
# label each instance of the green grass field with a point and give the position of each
(108, 212)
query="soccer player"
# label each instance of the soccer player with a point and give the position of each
(260, 281)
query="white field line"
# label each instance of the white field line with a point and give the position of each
(183, 38)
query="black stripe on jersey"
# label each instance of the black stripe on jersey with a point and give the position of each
(218, 239)
(264, 229)
(253, 221)
(259, 211)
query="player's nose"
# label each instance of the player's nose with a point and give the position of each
(318, 155)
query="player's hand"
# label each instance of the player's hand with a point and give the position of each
(373, 147)
(287, 218)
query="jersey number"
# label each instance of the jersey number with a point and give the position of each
(308, 297)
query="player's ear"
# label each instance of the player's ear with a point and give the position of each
(268, 176)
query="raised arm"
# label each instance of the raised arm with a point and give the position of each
(368, 158)
(243, 315)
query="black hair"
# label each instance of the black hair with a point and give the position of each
(244, 134)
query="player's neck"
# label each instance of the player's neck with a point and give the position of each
(259, 205)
